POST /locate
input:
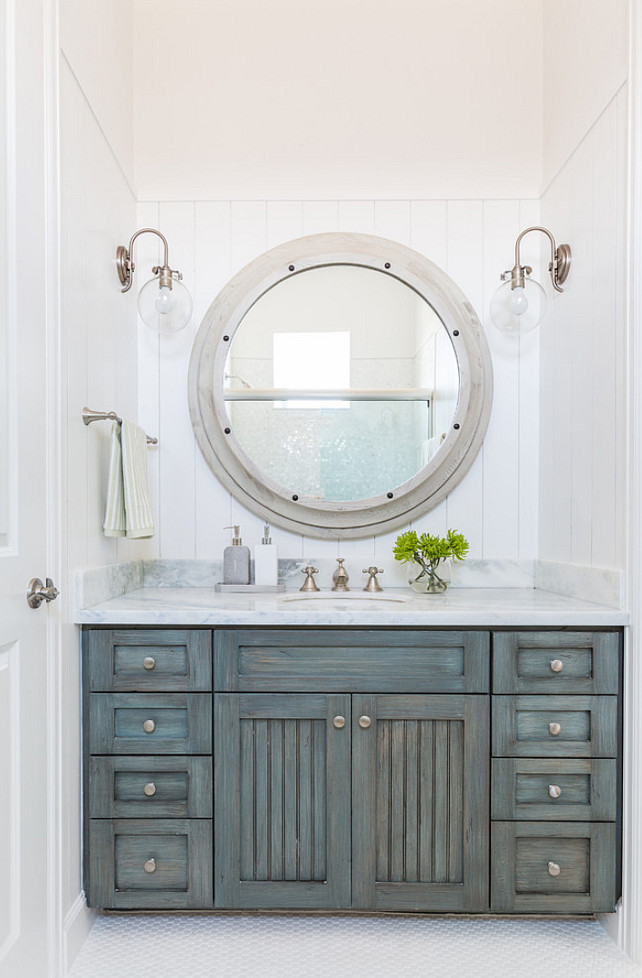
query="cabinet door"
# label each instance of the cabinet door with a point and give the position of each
(420, 803)
(282, 800)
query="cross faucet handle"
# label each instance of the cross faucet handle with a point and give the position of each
(309, 584)
(373, 583)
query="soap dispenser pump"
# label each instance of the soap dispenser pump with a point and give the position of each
(236, 560)
(266, 569)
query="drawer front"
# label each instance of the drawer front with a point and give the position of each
(564, 790)
(351, 661)
(556, 662)
(149, 659)
(156, 863)
(150, 723)
(544, 867)
(555, 726)
(150, 787)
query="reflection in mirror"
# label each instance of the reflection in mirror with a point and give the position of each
(340, 383)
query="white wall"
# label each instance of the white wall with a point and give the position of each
(96, 38)
(583, 390)
(99, 364)
(582, 346)
(585, 61)
(496, 504)
(249, 99)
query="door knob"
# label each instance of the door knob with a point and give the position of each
(39, 592)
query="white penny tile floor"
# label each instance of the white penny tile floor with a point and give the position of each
(184, 946)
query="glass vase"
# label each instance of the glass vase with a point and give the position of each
(428, 581)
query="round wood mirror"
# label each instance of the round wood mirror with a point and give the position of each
(340, 385)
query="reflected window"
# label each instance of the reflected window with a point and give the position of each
(311, 362)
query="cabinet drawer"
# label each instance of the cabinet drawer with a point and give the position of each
(149, 659)
(566, 790)
(150, 787)
(544, 867)
(351, 661)
(555, 662)
(555, 726)
(150, 864)
(150, 723)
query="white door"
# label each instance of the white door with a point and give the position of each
(26, 373)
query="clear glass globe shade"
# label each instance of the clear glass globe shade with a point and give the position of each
(517, 311)
(163, 309)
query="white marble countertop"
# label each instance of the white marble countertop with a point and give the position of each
(465, 607)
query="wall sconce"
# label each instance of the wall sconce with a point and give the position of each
(164, 304)
(518, 305)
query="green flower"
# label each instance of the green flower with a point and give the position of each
(428, 549)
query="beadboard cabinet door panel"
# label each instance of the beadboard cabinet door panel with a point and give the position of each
(156, 660)
(336, 660)
(556, 662)
(282, 801)
(420, 803)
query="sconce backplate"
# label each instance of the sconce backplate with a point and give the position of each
(563, 255)
(123, 266)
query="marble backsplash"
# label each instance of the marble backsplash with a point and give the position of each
(601, 585)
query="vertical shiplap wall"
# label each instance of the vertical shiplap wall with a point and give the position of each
(582, 348)
(495, 505)
(98, 369)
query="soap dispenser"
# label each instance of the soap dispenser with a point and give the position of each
(236, 560)
(266, 571)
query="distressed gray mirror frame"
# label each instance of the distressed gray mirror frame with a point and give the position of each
(363, 517)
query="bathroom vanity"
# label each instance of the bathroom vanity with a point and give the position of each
(252, 754)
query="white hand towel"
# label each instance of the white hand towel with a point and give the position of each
(114, 524)
(128, 512)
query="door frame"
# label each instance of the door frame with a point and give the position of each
(54, 447)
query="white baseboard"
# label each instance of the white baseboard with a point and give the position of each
(78, 923)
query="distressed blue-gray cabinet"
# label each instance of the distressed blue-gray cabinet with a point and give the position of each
(334, 769)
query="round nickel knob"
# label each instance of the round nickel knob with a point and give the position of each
(555, 729)
(150, 866)
(339, 722)
(554, 869)
(557, 665)
(554, 790)
(149, 726)
(149, 663)
(150, 789)
(364, 722)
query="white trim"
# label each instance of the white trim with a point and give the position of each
(10, 547)
(77, 925)
(53, 467)
(629, 931)
(12, 653)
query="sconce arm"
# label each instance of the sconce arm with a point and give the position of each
(125, 263)
(560, 259)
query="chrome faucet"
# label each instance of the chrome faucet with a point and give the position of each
(340, 577)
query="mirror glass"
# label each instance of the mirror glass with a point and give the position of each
(340, 383)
